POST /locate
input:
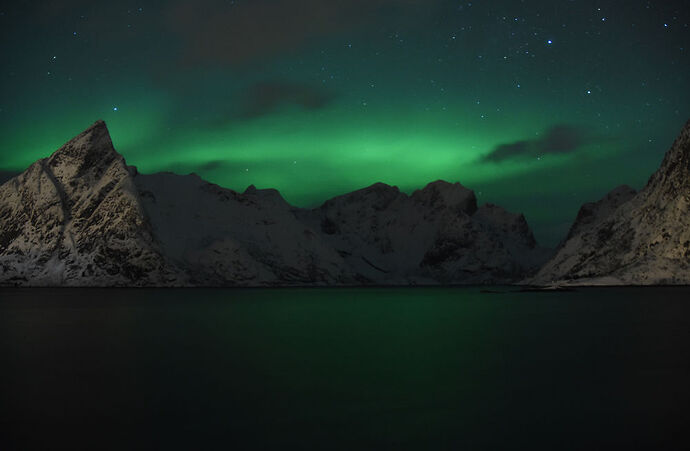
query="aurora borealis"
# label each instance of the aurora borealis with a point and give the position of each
(538, 106)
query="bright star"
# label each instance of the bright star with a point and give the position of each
(114, 108)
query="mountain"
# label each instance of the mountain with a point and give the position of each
(630, 238)
(75, 218)
(436, 234)
(82, 217)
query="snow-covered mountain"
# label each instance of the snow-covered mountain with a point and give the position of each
(632, 239)
(82, 217)
(75, 218)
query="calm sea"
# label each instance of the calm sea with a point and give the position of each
(380, 368)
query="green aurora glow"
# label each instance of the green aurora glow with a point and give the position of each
(455, 84)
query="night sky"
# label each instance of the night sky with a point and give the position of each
(538, 106)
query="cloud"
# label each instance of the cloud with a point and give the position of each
(265, 97)
(237, 32)
(558, 139)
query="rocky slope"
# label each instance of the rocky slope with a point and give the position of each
(436, 234)
(75, 218)
(632, 239)
(83, 218)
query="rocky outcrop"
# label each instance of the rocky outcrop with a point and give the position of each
(75, 218)
(83, 218)
(632, 239)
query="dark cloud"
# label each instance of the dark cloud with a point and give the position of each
(555, 140)
(562, 139)
(218, 31)
(505, 151)
(266, 97)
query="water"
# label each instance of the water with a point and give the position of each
(402, 368)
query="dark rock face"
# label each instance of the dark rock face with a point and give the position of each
(628, 238)
(82, 217)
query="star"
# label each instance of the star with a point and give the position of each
(114, 108)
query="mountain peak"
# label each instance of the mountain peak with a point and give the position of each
(91, 151)
(448, 194)
(83, 217)
(674, 172)
(627, 238)
(593, 213)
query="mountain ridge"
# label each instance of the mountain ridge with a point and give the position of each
(82, 217)
(639, 239)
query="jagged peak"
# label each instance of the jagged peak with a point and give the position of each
(96, 135)
(378, 187)
(449, 194)
(253, 190)
(91, 150)
(675, 167)
(682, 142)
(378, 195)
(501, 219)
(621, 190)
(592, 213)
(442, 184)
(618, 195)
(269, 194)
(99, 124)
